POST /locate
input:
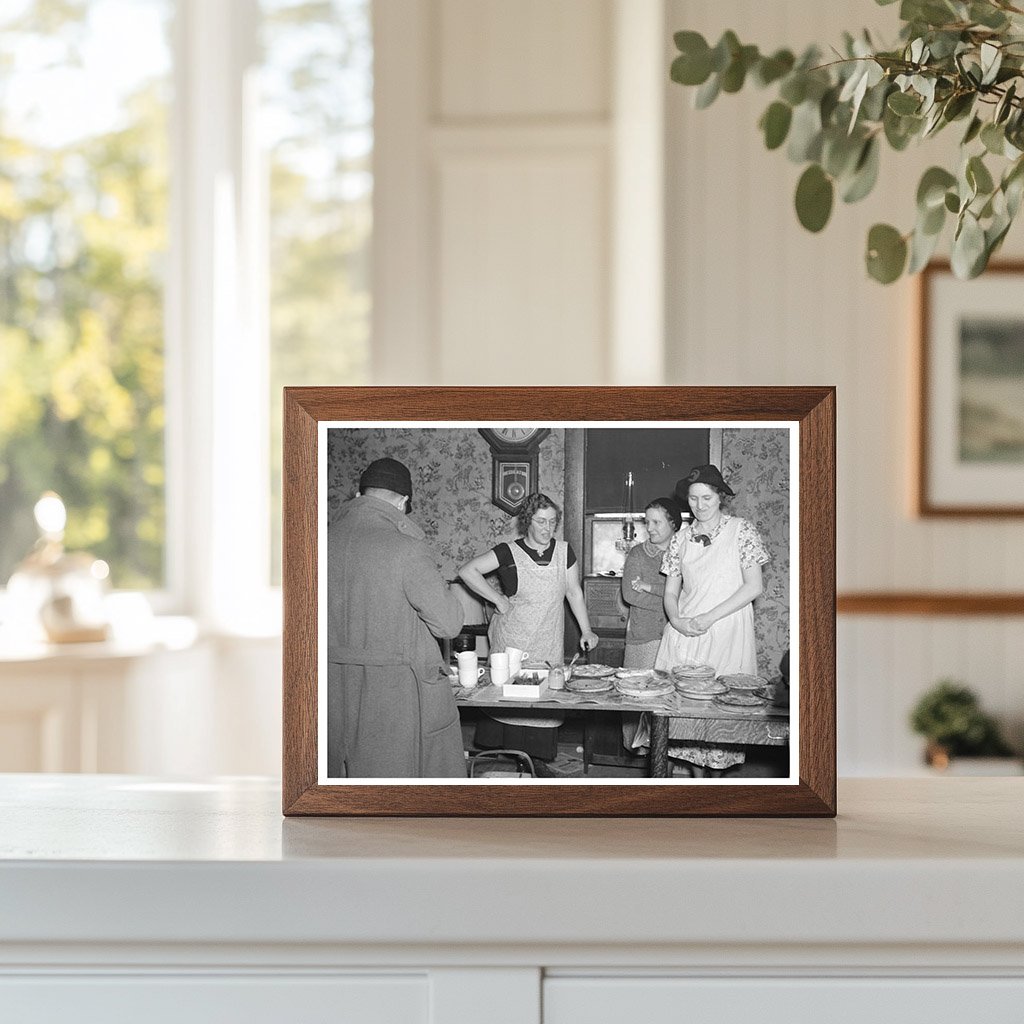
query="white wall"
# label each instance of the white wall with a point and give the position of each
(518, 149)
(755, 299)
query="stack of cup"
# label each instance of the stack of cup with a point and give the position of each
(469, 672)
(499, 669)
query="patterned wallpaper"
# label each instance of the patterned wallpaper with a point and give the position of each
(755, 464)
(451, 482)
(451, 474)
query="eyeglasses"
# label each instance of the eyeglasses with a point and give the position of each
(544, 522)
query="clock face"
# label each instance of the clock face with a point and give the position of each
(506, 438)
(515, 435)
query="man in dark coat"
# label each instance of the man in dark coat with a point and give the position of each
(390, 710)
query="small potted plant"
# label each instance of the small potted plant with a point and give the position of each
(950, 717)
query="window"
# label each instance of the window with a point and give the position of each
(83, 236)
(185, 221)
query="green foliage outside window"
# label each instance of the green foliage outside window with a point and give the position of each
(82, 233)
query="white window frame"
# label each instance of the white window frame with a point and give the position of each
(217, 353)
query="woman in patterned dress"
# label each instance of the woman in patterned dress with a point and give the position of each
(713, 570)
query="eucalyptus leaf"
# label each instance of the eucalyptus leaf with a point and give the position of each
(931, 190)
(972, 132)
(978, 175)
(1004, 106)
(886, 253)
(814, 194)
(952, 202)
(794, 88)
(775, 123)
(1013, 191)
(724, 51)
(707, 93)
(840, 152)
(958, 105)
(991, 59)
(903, 103)
(865, 174)
(771, 69)
(873, 106)
(987, 15)
(1013, 187)
(932, 221)
(968, 247)
(922, 248)
(735, 74)
(900, 130)
(805, 133)
(993, 138)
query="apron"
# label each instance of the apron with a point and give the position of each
(424, 705)
(535, 624)
(710, 575)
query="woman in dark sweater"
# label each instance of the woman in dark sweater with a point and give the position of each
(643, 586)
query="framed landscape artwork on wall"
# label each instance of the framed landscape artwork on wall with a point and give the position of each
(642, 623)
(970, 450)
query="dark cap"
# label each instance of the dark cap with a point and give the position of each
(389, 474)
(710, 475)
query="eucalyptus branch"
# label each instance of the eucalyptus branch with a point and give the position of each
(833, 117)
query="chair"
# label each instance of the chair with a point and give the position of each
(506, 764)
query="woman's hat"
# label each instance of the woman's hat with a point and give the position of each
(710, 475)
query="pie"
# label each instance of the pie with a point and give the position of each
(645, 684)
(742, 681)
(739, 700)
(690, 670)
(700, 689)
(588, 684)
(593, 671)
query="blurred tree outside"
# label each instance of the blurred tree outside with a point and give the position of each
(83, 231)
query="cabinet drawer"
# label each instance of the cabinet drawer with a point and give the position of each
(784, 1000)
(202, 999)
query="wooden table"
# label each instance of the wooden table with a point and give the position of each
(695, 719)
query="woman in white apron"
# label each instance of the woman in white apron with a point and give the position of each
(713, 574)
(538, 575)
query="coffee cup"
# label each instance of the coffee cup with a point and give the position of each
(499, 668)
(516, 657)
(469, 673)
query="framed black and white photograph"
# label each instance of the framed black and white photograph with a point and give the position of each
(970, 452)
(609, 601)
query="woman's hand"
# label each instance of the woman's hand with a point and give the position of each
(639, 586)
(687, 627)
(702, 623)
(589, 640)
(502, 605)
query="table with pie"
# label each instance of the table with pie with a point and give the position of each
(727, 710)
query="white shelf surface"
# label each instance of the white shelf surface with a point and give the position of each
(107, 859)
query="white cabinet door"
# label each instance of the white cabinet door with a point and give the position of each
(784, 1000)
(202, 999)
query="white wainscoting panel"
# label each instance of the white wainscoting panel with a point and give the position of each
(521, 258)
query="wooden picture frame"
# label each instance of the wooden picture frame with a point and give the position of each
(970, 393)
(806, 413)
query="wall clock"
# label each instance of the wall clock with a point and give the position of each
(514, 464)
